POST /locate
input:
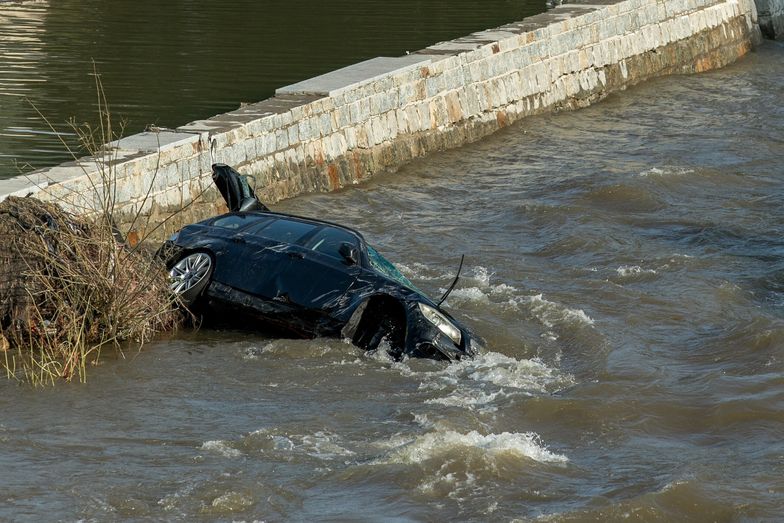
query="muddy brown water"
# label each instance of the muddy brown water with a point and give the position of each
(624, 262)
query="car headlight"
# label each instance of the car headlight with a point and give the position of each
(441, 321)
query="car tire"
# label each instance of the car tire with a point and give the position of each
(190, 275)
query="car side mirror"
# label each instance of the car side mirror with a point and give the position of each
(349, 253)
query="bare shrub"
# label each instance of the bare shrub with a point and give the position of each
(71, 290)
(70, 285)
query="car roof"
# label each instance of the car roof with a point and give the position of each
(293, 217)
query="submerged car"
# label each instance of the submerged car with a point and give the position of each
(304, 277)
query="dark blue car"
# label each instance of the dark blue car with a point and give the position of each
(305, 277)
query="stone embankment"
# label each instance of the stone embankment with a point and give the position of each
(341, 128)
(771, 18)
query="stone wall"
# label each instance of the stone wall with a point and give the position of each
(771, 18)
(341, 128)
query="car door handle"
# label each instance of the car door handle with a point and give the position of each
(297, 255)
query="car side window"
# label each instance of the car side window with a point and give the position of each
(283, 231)
(236, 221)
(329, 239)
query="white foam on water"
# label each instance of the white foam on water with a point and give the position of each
(468, 398)
(482, 275)
(321, 444)
(552, 314)
(666, 171)
(436, 444)
(485, 382)
(463, 295)
(483, 291)
(324, 445)
(497, 369)
(253, 352)
(423, 421)
(172, 501)
(626, 271)
(530, 375)
(652, 171)
(382, 353)
(231, 501)
(282, 443)
(420, 271)
(221, 447)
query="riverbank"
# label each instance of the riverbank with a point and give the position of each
(343, 127)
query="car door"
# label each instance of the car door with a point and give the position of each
(318, 275)
(229, 234)
(267, 257)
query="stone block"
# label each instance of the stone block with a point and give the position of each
(281, 139)
(355, 76)
(250, 149)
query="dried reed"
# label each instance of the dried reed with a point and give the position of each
(71, 285)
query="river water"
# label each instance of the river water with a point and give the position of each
(625, 264)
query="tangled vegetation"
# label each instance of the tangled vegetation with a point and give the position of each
(68, 289)
(70, 285)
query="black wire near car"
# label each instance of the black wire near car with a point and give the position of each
(304, 277)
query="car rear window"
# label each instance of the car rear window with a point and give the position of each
(329, 239)
(237, 221)
(283, 231)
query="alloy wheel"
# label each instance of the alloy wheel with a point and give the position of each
(189, 272)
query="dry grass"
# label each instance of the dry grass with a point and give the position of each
(76, 291)
(69, 285)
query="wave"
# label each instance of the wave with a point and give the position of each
(499, 370)
(323, 445)
(487, 382)
(626, 271)
(484, 291)
(488, 447)
(221, 447)
(624, 197)
(666, 171)
(683, 500)
(551, 313)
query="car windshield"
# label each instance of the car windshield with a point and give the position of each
(386, 268)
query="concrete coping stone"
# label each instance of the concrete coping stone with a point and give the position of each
(577, 10)
(544, 18)
(437, 54)
(491, 35)
(593, 6)
(249, 113)
(20, 183)
(353, 76)
(236, 119)
(47, 176)
(454, 46)
(209, 126)
(283, 103)
(592, 3)
(523, 27)
(153, 141)
(32, 182)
